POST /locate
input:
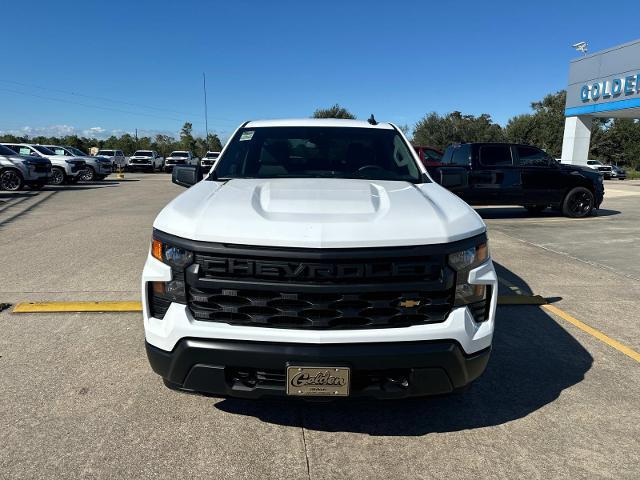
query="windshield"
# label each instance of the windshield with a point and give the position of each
(108, 153)
(143, 153)
(179, 154)
(212, 155)
(75, 151)
(59, 151)
(43, 150)
(318, 152)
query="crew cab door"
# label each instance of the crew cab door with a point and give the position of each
(542, 180)
(456, 162)
(495, 179)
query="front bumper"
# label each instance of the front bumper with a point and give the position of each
(257, 369)
(204, 356)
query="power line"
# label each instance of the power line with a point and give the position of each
(88, 105)
(185, 114)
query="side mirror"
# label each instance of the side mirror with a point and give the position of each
(452, 180)
(186, 176)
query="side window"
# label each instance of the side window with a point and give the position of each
(532, 157)
(496, 156)
(461, 156)
(432, 155)
(119, 153)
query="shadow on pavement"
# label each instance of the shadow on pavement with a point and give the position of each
(496, 213)
(533, 360)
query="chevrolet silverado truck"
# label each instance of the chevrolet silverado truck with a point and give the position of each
(179, 157)
(146, 160)
(513, 174)
(209, 159)
(317, 259)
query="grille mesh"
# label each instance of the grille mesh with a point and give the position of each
(272, 308)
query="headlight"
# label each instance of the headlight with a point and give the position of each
(463, 262)
(173, 291)
(173, 256)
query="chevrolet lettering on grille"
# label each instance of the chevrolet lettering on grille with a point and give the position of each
(231, 267)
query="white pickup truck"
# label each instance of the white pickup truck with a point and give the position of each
(146, 160)
(318, 259)
(179, 157)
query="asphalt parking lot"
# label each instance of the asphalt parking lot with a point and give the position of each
(79, 400)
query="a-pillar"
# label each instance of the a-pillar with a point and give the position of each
(577, 136)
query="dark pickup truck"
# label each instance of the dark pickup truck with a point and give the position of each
(512, 174)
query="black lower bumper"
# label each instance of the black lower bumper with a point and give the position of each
(257, 369)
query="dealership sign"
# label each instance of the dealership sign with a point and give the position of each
(606, 89)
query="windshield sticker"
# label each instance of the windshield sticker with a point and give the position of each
(246, 135)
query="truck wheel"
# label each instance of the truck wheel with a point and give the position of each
(535, 209)
(11, 180)
(57, 176)
(578, 203)
(89, 175)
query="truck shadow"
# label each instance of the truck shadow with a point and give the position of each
(512, 212)
(533, 360)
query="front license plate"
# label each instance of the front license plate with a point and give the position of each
(318, 381)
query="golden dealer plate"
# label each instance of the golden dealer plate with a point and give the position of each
(318, 381)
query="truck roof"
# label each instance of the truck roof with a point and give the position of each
(316, 122)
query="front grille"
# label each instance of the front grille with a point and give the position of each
(273, 308)
(140, 161)
(319, 289)
(175, 162)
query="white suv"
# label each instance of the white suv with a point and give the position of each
(318, 258)
(63, 169)
(17, 171)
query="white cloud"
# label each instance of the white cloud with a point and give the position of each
(100, 133)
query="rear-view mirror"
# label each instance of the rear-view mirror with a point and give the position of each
(186, 176)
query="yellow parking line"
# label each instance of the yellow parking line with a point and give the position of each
(593, 332)
(60, 307)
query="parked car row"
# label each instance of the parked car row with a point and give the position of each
(32, 165)
(152, 161)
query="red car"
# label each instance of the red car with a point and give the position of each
(429, 156)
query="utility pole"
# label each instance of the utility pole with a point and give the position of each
(206, 120)
(136, 138)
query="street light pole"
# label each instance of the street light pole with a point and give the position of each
(206, 120)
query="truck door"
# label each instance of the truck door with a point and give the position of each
(542, 180)
(495, 179)
(455, 161)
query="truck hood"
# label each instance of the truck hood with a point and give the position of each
(319, 213)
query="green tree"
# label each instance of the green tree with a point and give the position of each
(440, 131)
(187, 142)
(214, 143)
(335, 111)
(544, 127)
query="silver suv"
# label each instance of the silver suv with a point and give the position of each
(63, 169)
(17, 171)
(96, 169)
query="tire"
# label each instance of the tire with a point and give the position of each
(57, 176)
(11, 180)
(89, 175)
(578, 203)
(535, 209)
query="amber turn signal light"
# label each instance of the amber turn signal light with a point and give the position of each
(156, 249)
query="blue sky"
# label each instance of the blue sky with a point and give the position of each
(99, 67)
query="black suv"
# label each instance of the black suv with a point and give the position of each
(512, 174)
